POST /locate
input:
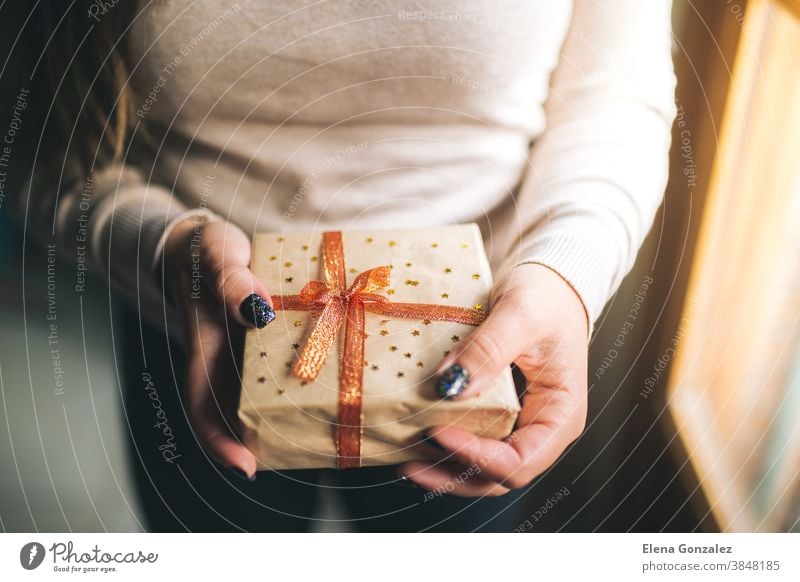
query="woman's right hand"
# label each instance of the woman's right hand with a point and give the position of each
(207, 276)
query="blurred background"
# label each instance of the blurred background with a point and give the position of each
(695, 365)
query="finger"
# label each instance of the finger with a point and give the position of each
(451, 479)
(475, 364)
(496, 460)
(551, 419)
(208, 392)
(225, 259)
(215, 436)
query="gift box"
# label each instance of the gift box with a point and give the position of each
(345, 374)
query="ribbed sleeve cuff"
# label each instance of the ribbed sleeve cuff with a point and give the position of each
(128, 242)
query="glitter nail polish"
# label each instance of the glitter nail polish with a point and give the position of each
(256, 310)
(452, 382)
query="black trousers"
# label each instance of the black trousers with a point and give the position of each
(182, 489)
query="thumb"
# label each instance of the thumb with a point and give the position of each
(490, 349)
(225, 258)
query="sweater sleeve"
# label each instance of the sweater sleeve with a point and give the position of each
(111, 224)
(598, 172)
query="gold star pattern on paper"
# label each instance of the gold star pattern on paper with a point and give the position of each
(434, 245)
(407, 355)
(446, 353)
(455, 338)
(295, 346)
(374, 367)
(392, 243)
(448, 270)
(314, 258)
(287, 264)
(289, 279)
(273, 258)
(415, 332)
(384, 321)
(392, 348)
(370, 239)
(390, 291)
(412, 282)
(288, 364)
(408, 264)
(305, 247)
(444, 295)
(353, 270)
(477, 307)
(261, 379)
(384, 332)
(298, 322)
(426, 322)
(281, 391)
(263, 354)
(476, 276)
(281, 239)
(420, 365)
(400, 374)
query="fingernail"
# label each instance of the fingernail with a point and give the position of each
(257, 311)
(241, 474)
(404, 481)
(452, 382)
(427, 439)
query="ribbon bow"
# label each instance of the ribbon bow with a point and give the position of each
(338, 305)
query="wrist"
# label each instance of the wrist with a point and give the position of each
(177, 240)
(542, 285)
(177, 246)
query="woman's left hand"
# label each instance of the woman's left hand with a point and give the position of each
(538, 322)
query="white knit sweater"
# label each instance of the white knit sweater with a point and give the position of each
(545, 121)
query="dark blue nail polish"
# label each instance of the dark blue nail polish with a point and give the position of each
(241, 474)
(427, 439)
(404, 481)
(257, 311)
(452, 382)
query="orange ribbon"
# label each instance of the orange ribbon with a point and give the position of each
(340, 305)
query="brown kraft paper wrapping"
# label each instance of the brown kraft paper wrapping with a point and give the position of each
(289, 423)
